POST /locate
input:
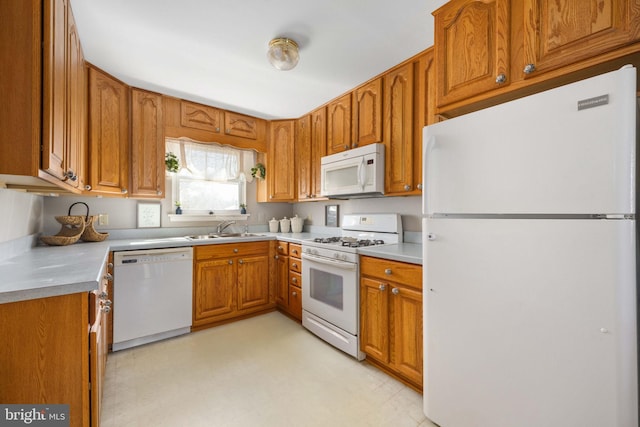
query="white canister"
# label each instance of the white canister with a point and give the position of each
(296, 224)
(284, 225)
(273, 225)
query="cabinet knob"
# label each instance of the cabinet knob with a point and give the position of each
(346, 147)
(419, 186)
(230, 261)
(407, 187)
(159, 192)
(235, 250)
(395, 291)
(529, 68)
(294, 280)
(240, 262)
(295, 251)
(277, 257)
(109, 277)
(217, 129)
(354, 145)
(124, 191)
(387, 271)
(103, 295)
(87, 187)
(110, 265)
(295, 265)
(501, 78)
(382, 286)
(105, 309)
(294, 293)
(227, 130)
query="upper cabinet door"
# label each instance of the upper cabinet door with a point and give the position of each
(147, 145)
(303, 157)
(472, 48)
(339, 124)
(199, 116)
(367, 108)
(281, 161)
(109, 134)
(240, 125)
(559, 33)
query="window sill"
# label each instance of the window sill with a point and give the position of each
(206, 218)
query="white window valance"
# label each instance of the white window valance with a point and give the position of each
(211, 161)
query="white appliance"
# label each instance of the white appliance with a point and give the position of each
(330, 291)
(353, 173)
(152, 295)
(530, 261)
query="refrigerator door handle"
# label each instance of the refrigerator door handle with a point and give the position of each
(431, 142)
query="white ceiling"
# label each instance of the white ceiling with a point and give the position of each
(214, 51)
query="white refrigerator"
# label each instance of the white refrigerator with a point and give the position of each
(529, 238)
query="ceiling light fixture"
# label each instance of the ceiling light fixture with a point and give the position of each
(283, 53)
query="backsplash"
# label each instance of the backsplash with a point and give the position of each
(20, 221)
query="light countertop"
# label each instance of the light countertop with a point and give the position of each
(46, 271)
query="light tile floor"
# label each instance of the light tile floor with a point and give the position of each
(263, 371)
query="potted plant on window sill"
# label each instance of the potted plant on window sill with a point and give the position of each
(243, 208)
(178, 208)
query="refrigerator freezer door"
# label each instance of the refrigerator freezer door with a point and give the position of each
(539, 154)
(530, 323)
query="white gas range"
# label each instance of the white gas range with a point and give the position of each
(330, 295)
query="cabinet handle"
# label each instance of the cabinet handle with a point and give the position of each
(105, 309)
(387, 272)
(110, 265)
(109, 277)
(70, 174)
(107, 303)
(419, 186)
(124, 191)
(382, 286)
(294, 293)
(277, 257)
(407, 187)
(295, 265)
(395, 291)
(295, 251)
(240, 262)
(280, 248)
(529, 68)
(103, 295)
(230, 261)
(235, 250)
(501, 78)
(294, 280)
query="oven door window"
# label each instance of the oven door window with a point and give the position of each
(327, 288)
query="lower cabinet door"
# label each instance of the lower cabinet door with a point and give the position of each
(374, 319)
(295, 302)
(214, 289)
(406, 320)
(253, 281)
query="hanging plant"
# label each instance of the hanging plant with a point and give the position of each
(171, 162)
(258, 171)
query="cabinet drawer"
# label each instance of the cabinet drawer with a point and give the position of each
(295, 250)
(393, 271)
(295, 265)
(282, 248)
(295, 279)
(231, 250)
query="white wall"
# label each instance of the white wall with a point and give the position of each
(20, 215)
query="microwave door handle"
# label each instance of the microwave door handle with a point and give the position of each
(362, 174)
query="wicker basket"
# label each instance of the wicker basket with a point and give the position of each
(90, 234)
(74, 228)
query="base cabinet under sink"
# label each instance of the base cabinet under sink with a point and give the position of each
(230, 281)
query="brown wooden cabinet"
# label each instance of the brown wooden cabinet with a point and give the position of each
(281, 162)
(230, 281)
(147, 145)
(109, 134)
(289, 278)
(43, 85)
(282, 274)
(309, 151)
(367, 113)
(391, 317)
(561, 33)
(209, 124)
(472, 48)
(339, 124)
(61, 343)
(491, 51)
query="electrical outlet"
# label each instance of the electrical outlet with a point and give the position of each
(103, 219)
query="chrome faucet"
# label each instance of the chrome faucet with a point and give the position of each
(223, 225)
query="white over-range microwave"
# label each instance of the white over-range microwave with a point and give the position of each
(353, 173)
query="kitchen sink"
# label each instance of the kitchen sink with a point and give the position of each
(221, 235)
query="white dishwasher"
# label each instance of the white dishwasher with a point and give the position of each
(152, 295)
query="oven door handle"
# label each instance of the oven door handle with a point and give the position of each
(335, 263)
